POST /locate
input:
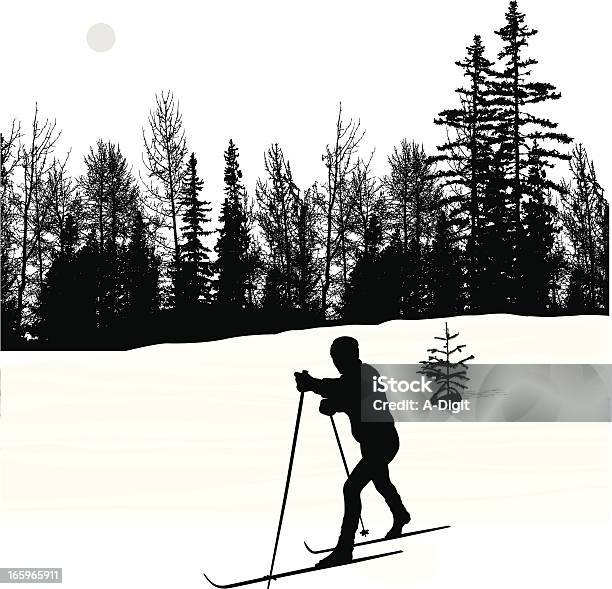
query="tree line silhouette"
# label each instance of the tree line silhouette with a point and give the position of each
(110, 259)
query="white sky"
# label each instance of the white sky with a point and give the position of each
(274, 70)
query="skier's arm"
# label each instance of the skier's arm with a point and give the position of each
(326, 387)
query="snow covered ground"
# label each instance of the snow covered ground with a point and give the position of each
(142, 468)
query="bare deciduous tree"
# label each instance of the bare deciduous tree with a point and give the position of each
(63, 199)
(289, 220)
(306, 256)
(368, 204)
(164, 159)
(9, 216)
(277, 201)
(35, 159)
(340, 160)
(413, 197)
(9, 154)
(585, 215)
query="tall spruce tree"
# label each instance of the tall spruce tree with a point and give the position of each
(467, 153)
(232, 247)
(196, 267)
(517, 125)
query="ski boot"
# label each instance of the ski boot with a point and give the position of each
(399, 522)
(341, 554)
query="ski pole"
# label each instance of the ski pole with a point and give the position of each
(363, 532)
(290, 468)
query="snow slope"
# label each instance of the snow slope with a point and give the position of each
(142, 468)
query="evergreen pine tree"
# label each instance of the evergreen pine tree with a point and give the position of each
(233, 243)
(467, 153)
(514, 96)
(448, 372)
(195, 270)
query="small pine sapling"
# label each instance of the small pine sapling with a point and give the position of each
(449, 376)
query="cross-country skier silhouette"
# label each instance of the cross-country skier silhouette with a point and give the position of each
(379, 441)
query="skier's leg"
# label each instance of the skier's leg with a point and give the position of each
(392, 498)
(381, 455)
(387, 489)
(356, 481)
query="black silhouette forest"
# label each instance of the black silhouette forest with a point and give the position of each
(506, 216)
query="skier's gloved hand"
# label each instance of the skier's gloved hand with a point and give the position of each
(326, 407)
(303, 381)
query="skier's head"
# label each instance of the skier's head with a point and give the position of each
(345, 353)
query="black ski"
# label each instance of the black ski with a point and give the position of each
(379, 539)
(275, 576)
